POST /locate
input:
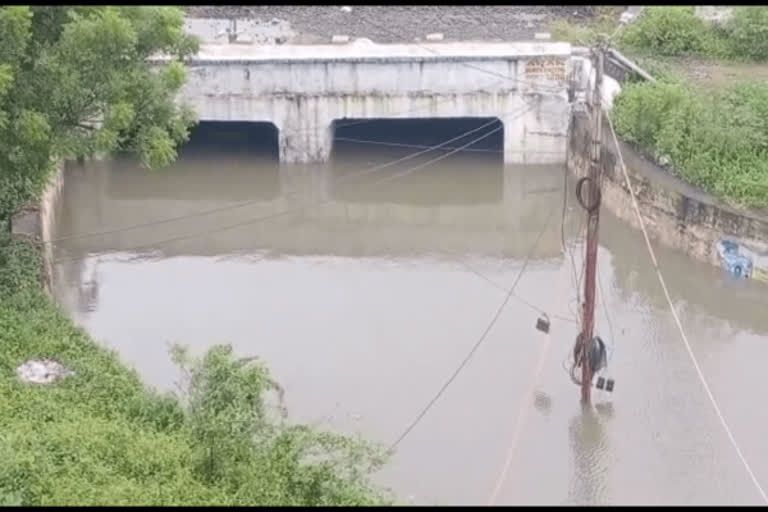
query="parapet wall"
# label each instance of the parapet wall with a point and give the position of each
(676, 214)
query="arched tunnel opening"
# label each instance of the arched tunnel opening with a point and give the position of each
(251, 139)
(247, 153)
(433, 160)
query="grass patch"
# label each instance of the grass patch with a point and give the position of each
(665, 32)
(604, 21)
(100, 438)
(717, 141)
(670, 31)
(674, 31)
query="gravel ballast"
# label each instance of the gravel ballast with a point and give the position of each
(399, 24)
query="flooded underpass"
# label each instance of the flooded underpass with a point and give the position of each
(364, 304)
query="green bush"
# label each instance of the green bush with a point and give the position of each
(747, 32)
(668, 31)
(719, 143)
(674, 31)
(99, 437)
(642, 110)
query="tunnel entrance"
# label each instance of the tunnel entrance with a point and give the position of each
(253, 139)
(246, 153)
(466, 168)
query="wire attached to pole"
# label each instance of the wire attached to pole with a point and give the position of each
(477, 344)
(679, 324)
(317, 203)
(522, 414)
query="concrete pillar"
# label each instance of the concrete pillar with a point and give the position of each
(306, 132)
(306, 144)
(514, 139)
(539, 135)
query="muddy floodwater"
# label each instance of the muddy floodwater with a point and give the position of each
(365, 303)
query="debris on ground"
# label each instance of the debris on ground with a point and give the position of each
(42, 371)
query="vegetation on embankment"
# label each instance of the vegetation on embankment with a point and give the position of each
(98, 437)
(675, 31)
(716, 141)
(713, 137)
(75, 81)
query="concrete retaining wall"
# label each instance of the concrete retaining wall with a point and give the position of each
(36, 221)
(676, 214)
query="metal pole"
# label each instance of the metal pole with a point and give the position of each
(593, 223)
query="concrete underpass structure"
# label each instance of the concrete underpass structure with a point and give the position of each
(303, 89)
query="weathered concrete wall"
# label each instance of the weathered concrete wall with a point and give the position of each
(303, 89)
(36, 221)
(675, 213)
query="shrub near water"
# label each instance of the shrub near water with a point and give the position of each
(99, 438)
(748, 32)
(674, 31)
(668, 31)
(719, 143)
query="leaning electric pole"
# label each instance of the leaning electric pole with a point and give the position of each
(592, 205)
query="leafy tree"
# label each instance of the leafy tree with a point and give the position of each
(75, 81)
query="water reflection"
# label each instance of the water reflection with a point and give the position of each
(589, 446)
(364, 304)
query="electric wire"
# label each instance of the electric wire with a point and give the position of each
(604, 306)
(477, 344)
(248, 203)
(303, 207)
(516, 295)
(421, 166)
(468, 150)
(241, 205)
(429, 148)
(522, 414)
(679, 324)
(565, 246)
